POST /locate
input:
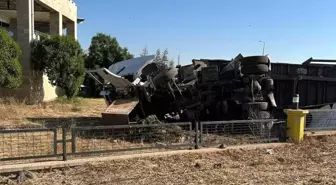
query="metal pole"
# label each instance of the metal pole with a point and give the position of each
(64, 141)
(195, 122)
(263, 53)
(264, 49)
(296, 101)
(178, 59)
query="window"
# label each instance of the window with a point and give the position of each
(3, 24)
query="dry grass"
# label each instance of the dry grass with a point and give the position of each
(15, 114)
(312, 162)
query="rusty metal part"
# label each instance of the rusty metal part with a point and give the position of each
(118, 112)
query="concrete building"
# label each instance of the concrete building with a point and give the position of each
(27, 20)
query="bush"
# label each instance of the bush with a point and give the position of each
(62, 59)
(10, 67)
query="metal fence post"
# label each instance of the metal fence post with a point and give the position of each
(196, 134)
(201, 132)
(73, 140)
(64, 141)
(55, 141)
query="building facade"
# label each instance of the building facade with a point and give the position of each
(26, 20)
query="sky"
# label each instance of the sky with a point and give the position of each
(293, 30)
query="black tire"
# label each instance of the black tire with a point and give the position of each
(254, 60)
(257, 115)
(255, 69)
(264, 115)
(267, 84)
(261, 106)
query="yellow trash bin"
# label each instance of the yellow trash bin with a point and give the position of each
(295, 123)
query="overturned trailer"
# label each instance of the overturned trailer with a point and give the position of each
(241, 88)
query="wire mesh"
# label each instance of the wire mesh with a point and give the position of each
(242, 132)
(27, 143)
(321, 119)
(133, 137)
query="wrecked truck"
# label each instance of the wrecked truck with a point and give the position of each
(241, 88)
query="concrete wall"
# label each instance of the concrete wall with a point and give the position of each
(4, 19)
(50, 92)
(66, 7)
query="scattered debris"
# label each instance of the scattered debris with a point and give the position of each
(218, 165)
(160, 134)
(24, 175)
(270, 151)
(197, 165)
(222, 146)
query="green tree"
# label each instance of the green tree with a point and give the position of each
(144, 52)
(62, 59)
(103, 52)
(162, 60)
(165, 55)
(157, 55)
(10, 67)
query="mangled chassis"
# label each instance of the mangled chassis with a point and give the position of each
(211, 92)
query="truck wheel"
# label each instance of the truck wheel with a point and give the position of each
(267, 84)
(257, 115)
(264, 115)
(261, 106)
(254, 60)
(255, 69)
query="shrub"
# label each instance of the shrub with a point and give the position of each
(62, 59)
(10, 67)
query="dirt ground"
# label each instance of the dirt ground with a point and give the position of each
(311, 162)
(19, 115)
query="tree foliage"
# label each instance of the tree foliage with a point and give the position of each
(103, 52)
(61, 58)
(144, 52)
(10, 67)
(162, 59)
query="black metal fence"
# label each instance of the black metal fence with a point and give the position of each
(102, 139)
(28, 144)
(65, 142)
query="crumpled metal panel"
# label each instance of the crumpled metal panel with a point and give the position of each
(131, 66)
(118, 112)
(122, 106)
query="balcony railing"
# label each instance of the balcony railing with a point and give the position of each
(38, 34)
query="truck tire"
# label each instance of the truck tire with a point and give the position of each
(254, 60)
(267, 84)
(264, 115)
(255, 69)
(261, 106)
(257, 115)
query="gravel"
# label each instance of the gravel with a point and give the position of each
(311, 162)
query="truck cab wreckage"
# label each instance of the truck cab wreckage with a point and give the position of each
(236, 89)
(206, 90)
